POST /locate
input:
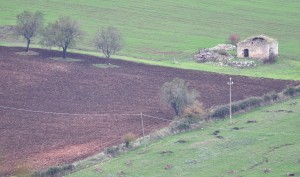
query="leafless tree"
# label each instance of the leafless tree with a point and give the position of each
(109, 40)
(63, 33)
(28, 25)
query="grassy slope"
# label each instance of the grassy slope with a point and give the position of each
(167, 29)
(244, 152)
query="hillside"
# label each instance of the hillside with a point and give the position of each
(165, 30)
(264, 142)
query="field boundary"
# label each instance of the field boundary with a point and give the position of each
(168, 64)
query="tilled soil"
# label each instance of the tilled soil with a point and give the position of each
(78, 109)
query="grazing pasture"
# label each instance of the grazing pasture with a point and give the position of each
(163, 30)
(55, 111)
(263, 142)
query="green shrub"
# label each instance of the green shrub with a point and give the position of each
(235, 107)
(222, 52)
(68, 167)
(253, 102)
(270, 97)
(180, 126)
(52, 171)
(249, 103)
(55, 171)
(113, 151)
(291, 91)
(220, 112)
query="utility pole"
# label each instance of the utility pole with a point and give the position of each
(230, 110)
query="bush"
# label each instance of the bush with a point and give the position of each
(291, 91)
(220, 112)
(234, 39)
(180, 126)
(52, 171)
(55, 171)
(129, 137)
(113, 151)
(270, 97)
(253, 102)
(235, 107)
(194, 112)
(249, 103)
(222, 52)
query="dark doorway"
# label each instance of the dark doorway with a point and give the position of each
(246, 52)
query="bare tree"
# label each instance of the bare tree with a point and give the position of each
(28, 25)
(63, 33)
(177, 95)
(109, 40)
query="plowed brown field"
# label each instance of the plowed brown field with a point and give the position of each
(94, 103)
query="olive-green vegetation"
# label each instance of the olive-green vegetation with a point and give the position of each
(262, 142)
(66, 59)
(104, 66)
(163, 30)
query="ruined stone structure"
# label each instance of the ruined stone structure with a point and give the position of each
(258, 47)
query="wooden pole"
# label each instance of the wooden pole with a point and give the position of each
(142, 125)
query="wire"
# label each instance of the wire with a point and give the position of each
(158, 118)
(69, 114)
(152, 117)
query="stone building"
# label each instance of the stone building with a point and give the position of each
(258, 47)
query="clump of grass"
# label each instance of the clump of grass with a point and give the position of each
(104, 66)
(66, 59)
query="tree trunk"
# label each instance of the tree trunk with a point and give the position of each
(28, 43)
(108, 61)
(64, 52)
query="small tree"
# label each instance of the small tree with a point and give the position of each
(234, 39)
(177, 95)
(28, 25)
(63, 33)
(109, 40)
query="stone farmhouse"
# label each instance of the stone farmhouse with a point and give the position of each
(258, 47)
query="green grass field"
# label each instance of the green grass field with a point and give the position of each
(272, 143)
(163, 30)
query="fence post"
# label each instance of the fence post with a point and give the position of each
(142, 125)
